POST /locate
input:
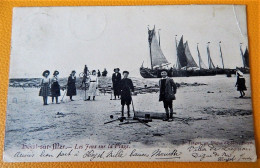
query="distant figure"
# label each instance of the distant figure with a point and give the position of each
(126, 86)
(98, 73)
(86, 71)
(93, 85)
(45, 87)
(85, 75)
(55, 87)
(168, 90)
(171, 71)
(241, 84)
(71, 90)
(104, 73)
(116, 78)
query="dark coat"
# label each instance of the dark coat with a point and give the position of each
(170, 90)
(241, 84)
(71, 91)
(55, 89)
(116, 81)
(126, 86)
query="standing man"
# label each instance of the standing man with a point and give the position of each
(98, 74)
(126, 86)
(116, 78)
(104, 73)
(85, 75)
(168, 90)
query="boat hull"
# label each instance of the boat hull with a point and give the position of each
(156, 73)
(149, 73)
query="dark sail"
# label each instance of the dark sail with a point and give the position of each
(211, 65)
(190, 60)
(177, 65)
(156, 54)
(246, 58)
(181, 53)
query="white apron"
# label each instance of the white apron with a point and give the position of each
(93, 84)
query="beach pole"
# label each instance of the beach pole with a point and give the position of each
(133, 107)
(64, 95)
(111, 94)
(85, 92)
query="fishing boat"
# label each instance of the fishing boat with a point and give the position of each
(185, 65)
(245, 58)
(228, 71)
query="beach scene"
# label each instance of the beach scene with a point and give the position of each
(209, 109)
(129, 84)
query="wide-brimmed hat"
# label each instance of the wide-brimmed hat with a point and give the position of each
(73, 71)
(116, 69)
(239, 73)
(46, 71)
(56, 72)
(125, 72)
(164, 70)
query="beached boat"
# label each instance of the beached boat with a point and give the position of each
(185, 64)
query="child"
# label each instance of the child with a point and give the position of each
(126, 86)
(45, 87)
(241, 84)
(71, 90)
(55, 87)
(167, 93)
(93, 84)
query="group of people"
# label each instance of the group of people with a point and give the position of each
(122, 88)
(50, 86)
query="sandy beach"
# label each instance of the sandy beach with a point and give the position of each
(212, 111)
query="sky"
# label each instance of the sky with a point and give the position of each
(67, 38)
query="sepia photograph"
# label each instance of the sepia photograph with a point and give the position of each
(129, 83)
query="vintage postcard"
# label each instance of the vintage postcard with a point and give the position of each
(129, 83)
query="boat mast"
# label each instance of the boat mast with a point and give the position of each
(159, 37)
(150, 34)
(221, 56)
(178, 62)
(242, 55)
(211, 65)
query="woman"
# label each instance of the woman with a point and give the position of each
(45, 87)
(92, 91)
(55, 87)
(241, 84)
(71, 90)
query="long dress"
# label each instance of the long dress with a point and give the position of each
(55, 87)
(241, 84)
(126, 85)
(116, 78)
(71, 91)
(93, 84)
(45, 87)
